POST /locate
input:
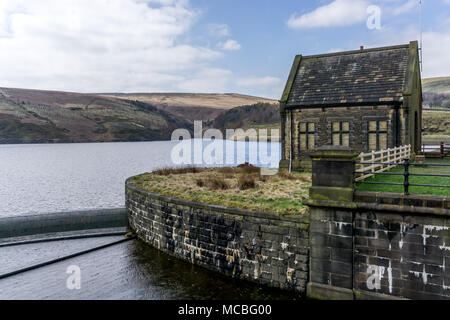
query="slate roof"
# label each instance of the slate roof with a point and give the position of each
(353, 77)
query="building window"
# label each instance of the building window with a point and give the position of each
(307, 135)
(377, 135)
(340, 134)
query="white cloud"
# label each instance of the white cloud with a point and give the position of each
(229, 45)
(333, 50)
(405, 7)
(436, 44)
(218, 30)
(101, 45)
(436, 60)
(208, 80)
(336, 13)
(258, 82)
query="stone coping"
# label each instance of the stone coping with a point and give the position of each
(383, 201)
(199, 205)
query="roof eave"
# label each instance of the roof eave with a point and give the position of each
(347, 104)
(291, 79)
(413, 60)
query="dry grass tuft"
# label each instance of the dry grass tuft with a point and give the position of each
(246, 182)
(247, 168)
(183, 170)
(213, 183)
(285, 174)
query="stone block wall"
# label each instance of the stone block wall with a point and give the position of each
(380, 250)
(266, 248)
(402, 255)
(357, 116)
(332, 248)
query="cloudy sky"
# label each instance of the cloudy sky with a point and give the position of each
(242, 46)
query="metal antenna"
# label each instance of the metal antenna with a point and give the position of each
(421, 37)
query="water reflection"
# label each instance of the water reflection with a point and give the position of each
(133, 271)
(43, 178)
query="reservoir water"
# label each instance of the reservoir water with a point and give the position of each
(66, 177)
(44, 178)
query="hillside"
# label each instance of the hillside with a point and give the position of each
(436, 92)
(35, 116)
(38, 116)
(248, 116)
(193, 106)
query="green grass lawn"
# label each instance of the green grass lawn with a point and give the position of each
(413, 180)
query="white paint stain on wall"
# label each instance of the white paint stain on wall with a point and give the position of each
(444, 247)
(422, 274)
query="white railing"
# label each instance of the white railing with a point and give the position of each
(387, 159)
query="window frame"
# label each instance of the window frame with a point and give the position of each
(341, 132)
(307, 133)
(377, 133)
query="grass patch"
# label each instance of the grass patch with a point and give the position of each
(413, 180)
(182, 170)
(213, 183)
(246, 182)
(242, 187)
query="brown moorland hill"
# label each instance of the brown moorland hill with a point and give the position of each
(38, 116)
(194, 106)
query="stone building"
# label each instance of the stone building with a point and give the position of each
(369, 99)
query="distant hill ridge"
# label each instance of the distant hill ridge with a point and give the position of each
(39, 116)
(436, 92)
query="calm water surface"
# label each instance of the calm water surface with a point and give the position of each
(44, 178)
(130, 270)
(64, 177)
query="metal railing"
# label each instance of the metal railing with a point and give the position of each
(406, 174)
(436, 151)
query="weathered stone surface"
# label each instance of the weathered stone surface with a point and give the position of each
(266, 248)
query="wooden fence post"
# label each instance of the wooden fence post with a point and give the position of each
(373, 161)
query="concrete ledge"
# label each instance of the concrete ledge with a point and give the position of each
(326, 292)
(366, 295)
(331, 193)
(62, 221)
(375, 206)
(66, 235)
(420, 201)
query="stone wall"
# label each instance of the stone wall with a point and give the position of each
(262, 247)
(358, 118)
(374, 244)
(369, 249)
